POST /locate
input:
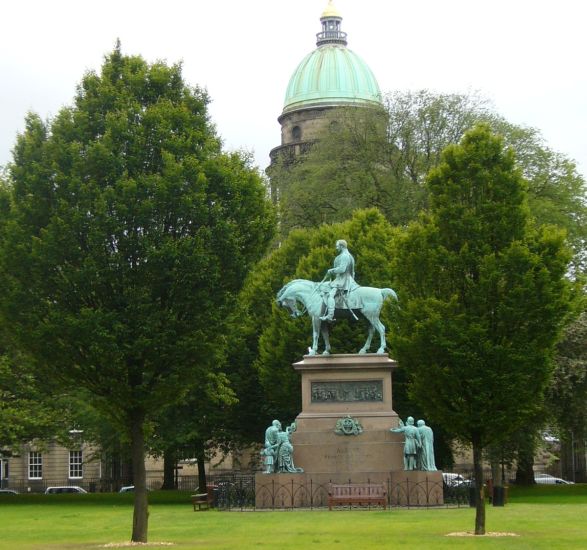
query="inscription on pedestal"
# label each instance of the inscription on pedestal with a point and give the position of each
(347, 391)
(344, 455)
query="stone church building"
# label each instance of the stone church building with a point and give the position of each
(330, 77)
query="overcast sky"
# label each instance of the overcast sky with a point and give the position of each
(527, 56)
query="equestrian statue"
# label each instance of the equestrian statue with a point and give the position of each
(340, 296)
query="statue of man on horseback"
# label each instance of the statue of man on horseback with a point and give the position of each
(315, 297)
(344, 280)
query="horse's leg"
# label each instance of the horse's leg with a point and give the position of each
(368, 314)
(381, 329)
(326, 338)
(367, 345)
(372, 314)
(315, 334)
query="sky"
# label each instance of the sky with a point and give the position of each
(527, 57)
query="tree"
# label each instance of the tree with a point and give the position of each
(128, 234)
(483, 299)
(350, 167)
(556, 191)
(421, 124)
(198, 427)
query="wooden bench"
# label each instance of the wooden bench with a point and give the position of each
(204, 500)
(357, 493)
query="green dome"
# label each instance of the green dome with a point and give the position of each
(331, 75)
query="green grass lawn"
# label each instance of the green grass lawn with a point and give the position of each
(544, 517)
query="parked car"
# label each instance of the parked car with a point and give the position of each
(547, 479)
(8, 492)
(129, 489)
(550, 438)
(456, 480)
(64, 489)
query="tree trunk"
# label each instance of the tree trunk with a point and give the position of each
(479, 500)
(169, 466)
(201, 471)
(114, 468)
(567, 457)
(496, 474)
(140, 523)
(525, 470)
(573, 458)
(580, 462)
(497, 495)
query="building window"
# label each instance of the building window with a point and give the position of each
(296, 133)
(75, 465)
(35, 465)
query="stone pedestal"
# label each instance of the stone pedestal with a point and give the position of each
(351, 387)
(336, 387)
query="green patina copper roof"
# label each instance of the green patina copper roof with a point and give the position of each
(331, 74)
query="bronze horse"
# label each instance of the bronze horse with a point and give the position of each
(365, 300)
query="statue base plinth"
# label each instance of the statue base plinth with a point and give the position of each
(336, 387)
(351, 395)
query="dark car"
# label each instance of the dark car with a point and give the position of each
(64, 489)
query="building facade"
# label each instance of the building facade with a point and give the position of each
(35, 466)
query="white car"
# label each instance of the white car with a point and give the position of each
(64, 489)
(455, 480)
(547, 479)
(128, 489)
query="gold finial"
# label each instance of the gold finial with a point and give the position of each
(330, 11)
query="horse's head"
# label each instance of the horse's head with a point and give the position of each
(292, 305)
(289, 295)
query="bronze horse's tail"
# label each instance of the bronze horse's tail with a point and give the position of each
(387, 292)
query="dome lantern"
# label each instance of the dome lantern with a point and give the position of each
(331, 33)
(328, 78)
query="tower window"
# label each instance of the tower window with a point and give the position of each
(296, 133)
(334, 126)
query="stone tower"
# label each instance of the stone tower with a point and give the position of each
(331, 76)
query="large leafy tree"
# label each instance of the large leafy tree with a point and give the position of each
(483, 299)
(127, 234)
(421, 124)
(351, 166)
(199, 427)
